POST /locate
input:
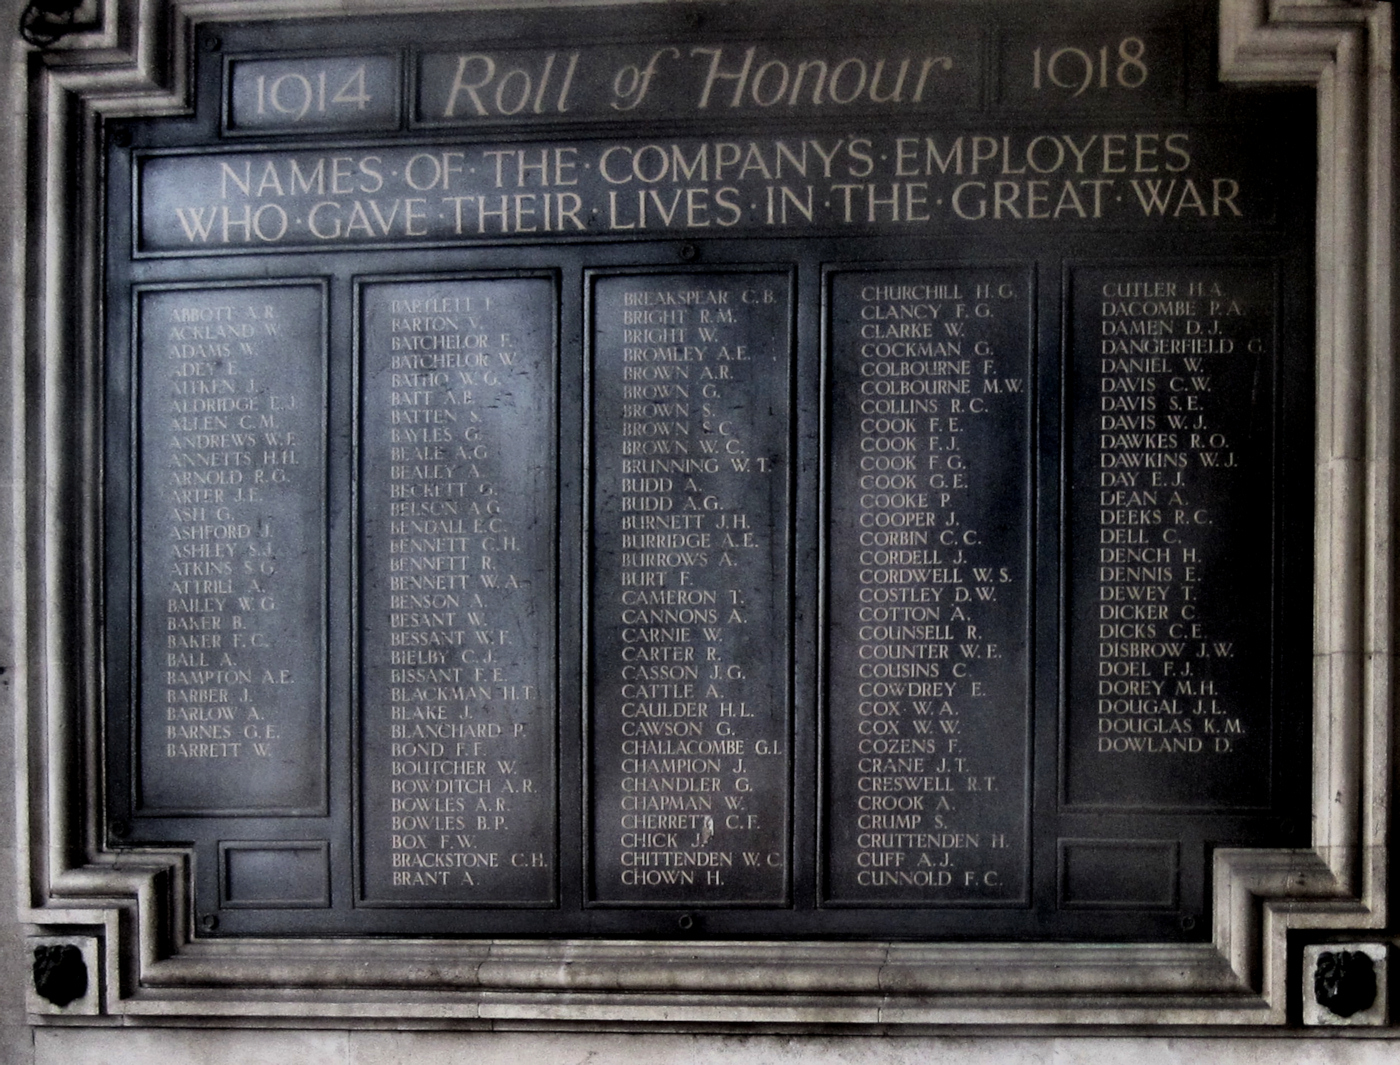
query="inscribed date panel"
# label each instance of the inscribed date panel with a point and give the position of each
(232, 534)
(1094, 69)
(1170, 536)
(457, 547)
(690, 767)
(928, 718)
(313, 93)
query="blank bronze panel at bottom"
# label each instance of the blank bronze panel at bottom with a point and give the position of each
(689, 770)
(1126, 873)
(271, 873)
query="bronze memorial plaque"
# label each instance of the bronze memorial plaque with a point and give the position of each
(727, 476)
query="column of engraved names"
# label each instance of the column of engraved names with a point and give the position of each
(1171, 535)
(232, 542)
(927, 699)
(690, 726)
(457, 565)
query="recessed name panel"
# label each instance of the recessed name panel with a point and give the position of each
(928, 719)
(457, 548)
(231, 621)
(690, 755)
(1171, 517)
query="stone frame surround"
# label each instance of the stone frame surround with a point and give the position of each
(131, 911)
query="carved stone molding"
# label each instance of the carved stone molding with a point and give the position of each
(155, 967)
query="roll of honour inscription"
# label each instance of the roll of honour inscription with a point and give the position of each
(232, 555)
(928, 719)
(457, 548)
(1170, 529)
(690, 769)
